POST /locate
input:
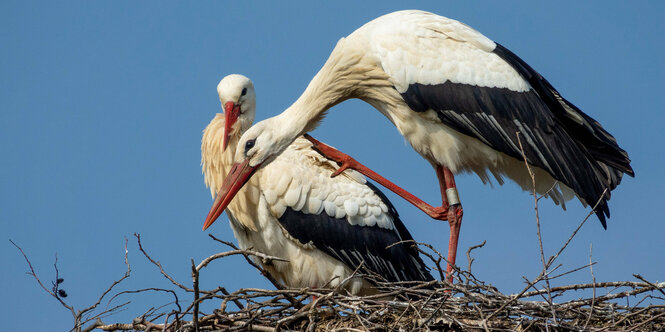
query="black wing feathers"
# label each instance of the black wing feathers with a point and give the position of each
(601, 144)
(354, 244)
(556, 135)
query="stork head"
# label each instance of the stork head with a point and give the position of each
(236, 93)
(258, 146)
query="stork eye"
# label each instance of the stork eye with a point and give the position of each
(249, 145)
(244, 91)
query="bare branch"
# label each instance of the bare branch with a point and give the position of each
(146, 290)
(553, 258)
(195, 281)
(468, 253)
(540, 239)
(34, 275)
(593, 281)
(159, 265)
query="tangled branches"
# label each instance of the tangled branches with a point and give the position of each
(468, 304)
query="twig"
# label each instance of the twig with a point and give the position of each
(34, 275)
(610, 284)
(660, 289)
(159, 265)
(195, 281)
(593, 281)
(570, 271)
(55, 292)
(570, 238)
(146, 290)
(265, 273)
(211, 258)
(468, 253)
(540, 239)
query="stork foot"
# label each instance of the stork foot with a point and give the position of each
(439, 213)
(342, 159)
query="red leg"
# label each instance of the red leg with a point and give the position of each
(346, 162)
(450, 208)
(450, 197)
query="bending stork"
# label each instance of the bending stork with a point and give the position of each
(325, 227)
(459, 99)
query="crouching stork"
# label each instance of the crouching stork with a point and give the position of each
(325, 227)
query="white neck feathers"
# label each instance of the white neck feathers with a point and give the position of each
(347, 74)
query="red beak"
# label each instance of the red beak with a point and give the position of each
(231, 113)
(239, 175)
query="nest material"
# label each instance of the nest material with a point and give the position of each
(416, 307)
(466, 305)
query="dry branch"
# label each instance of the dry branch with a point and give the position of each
(79, 315)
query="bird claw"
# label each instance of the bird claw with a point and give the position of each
(339, 170)
(343, 160)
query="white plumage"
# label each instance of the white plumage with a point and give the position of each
(285, 207)
(459, 99)
(410, 45)
(311, 190)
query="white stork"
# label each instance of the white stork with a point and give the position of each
(459, 99)
(325, 227)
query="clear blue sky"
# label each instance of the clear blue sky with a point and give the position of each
(102, 105)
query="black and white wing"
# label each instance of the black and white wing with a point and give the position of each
(481, 89)
(345, 217)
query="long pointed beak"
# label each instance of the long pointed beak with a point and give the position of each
(239, 175)
(231, 113)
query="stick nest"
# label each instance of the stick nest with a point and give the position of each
(458, 307)
(465, 305)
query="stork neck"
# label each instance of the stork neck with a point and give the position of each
(304, 115)
(310, 108)
(349, 72)
(339, 79)
(215, 162)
